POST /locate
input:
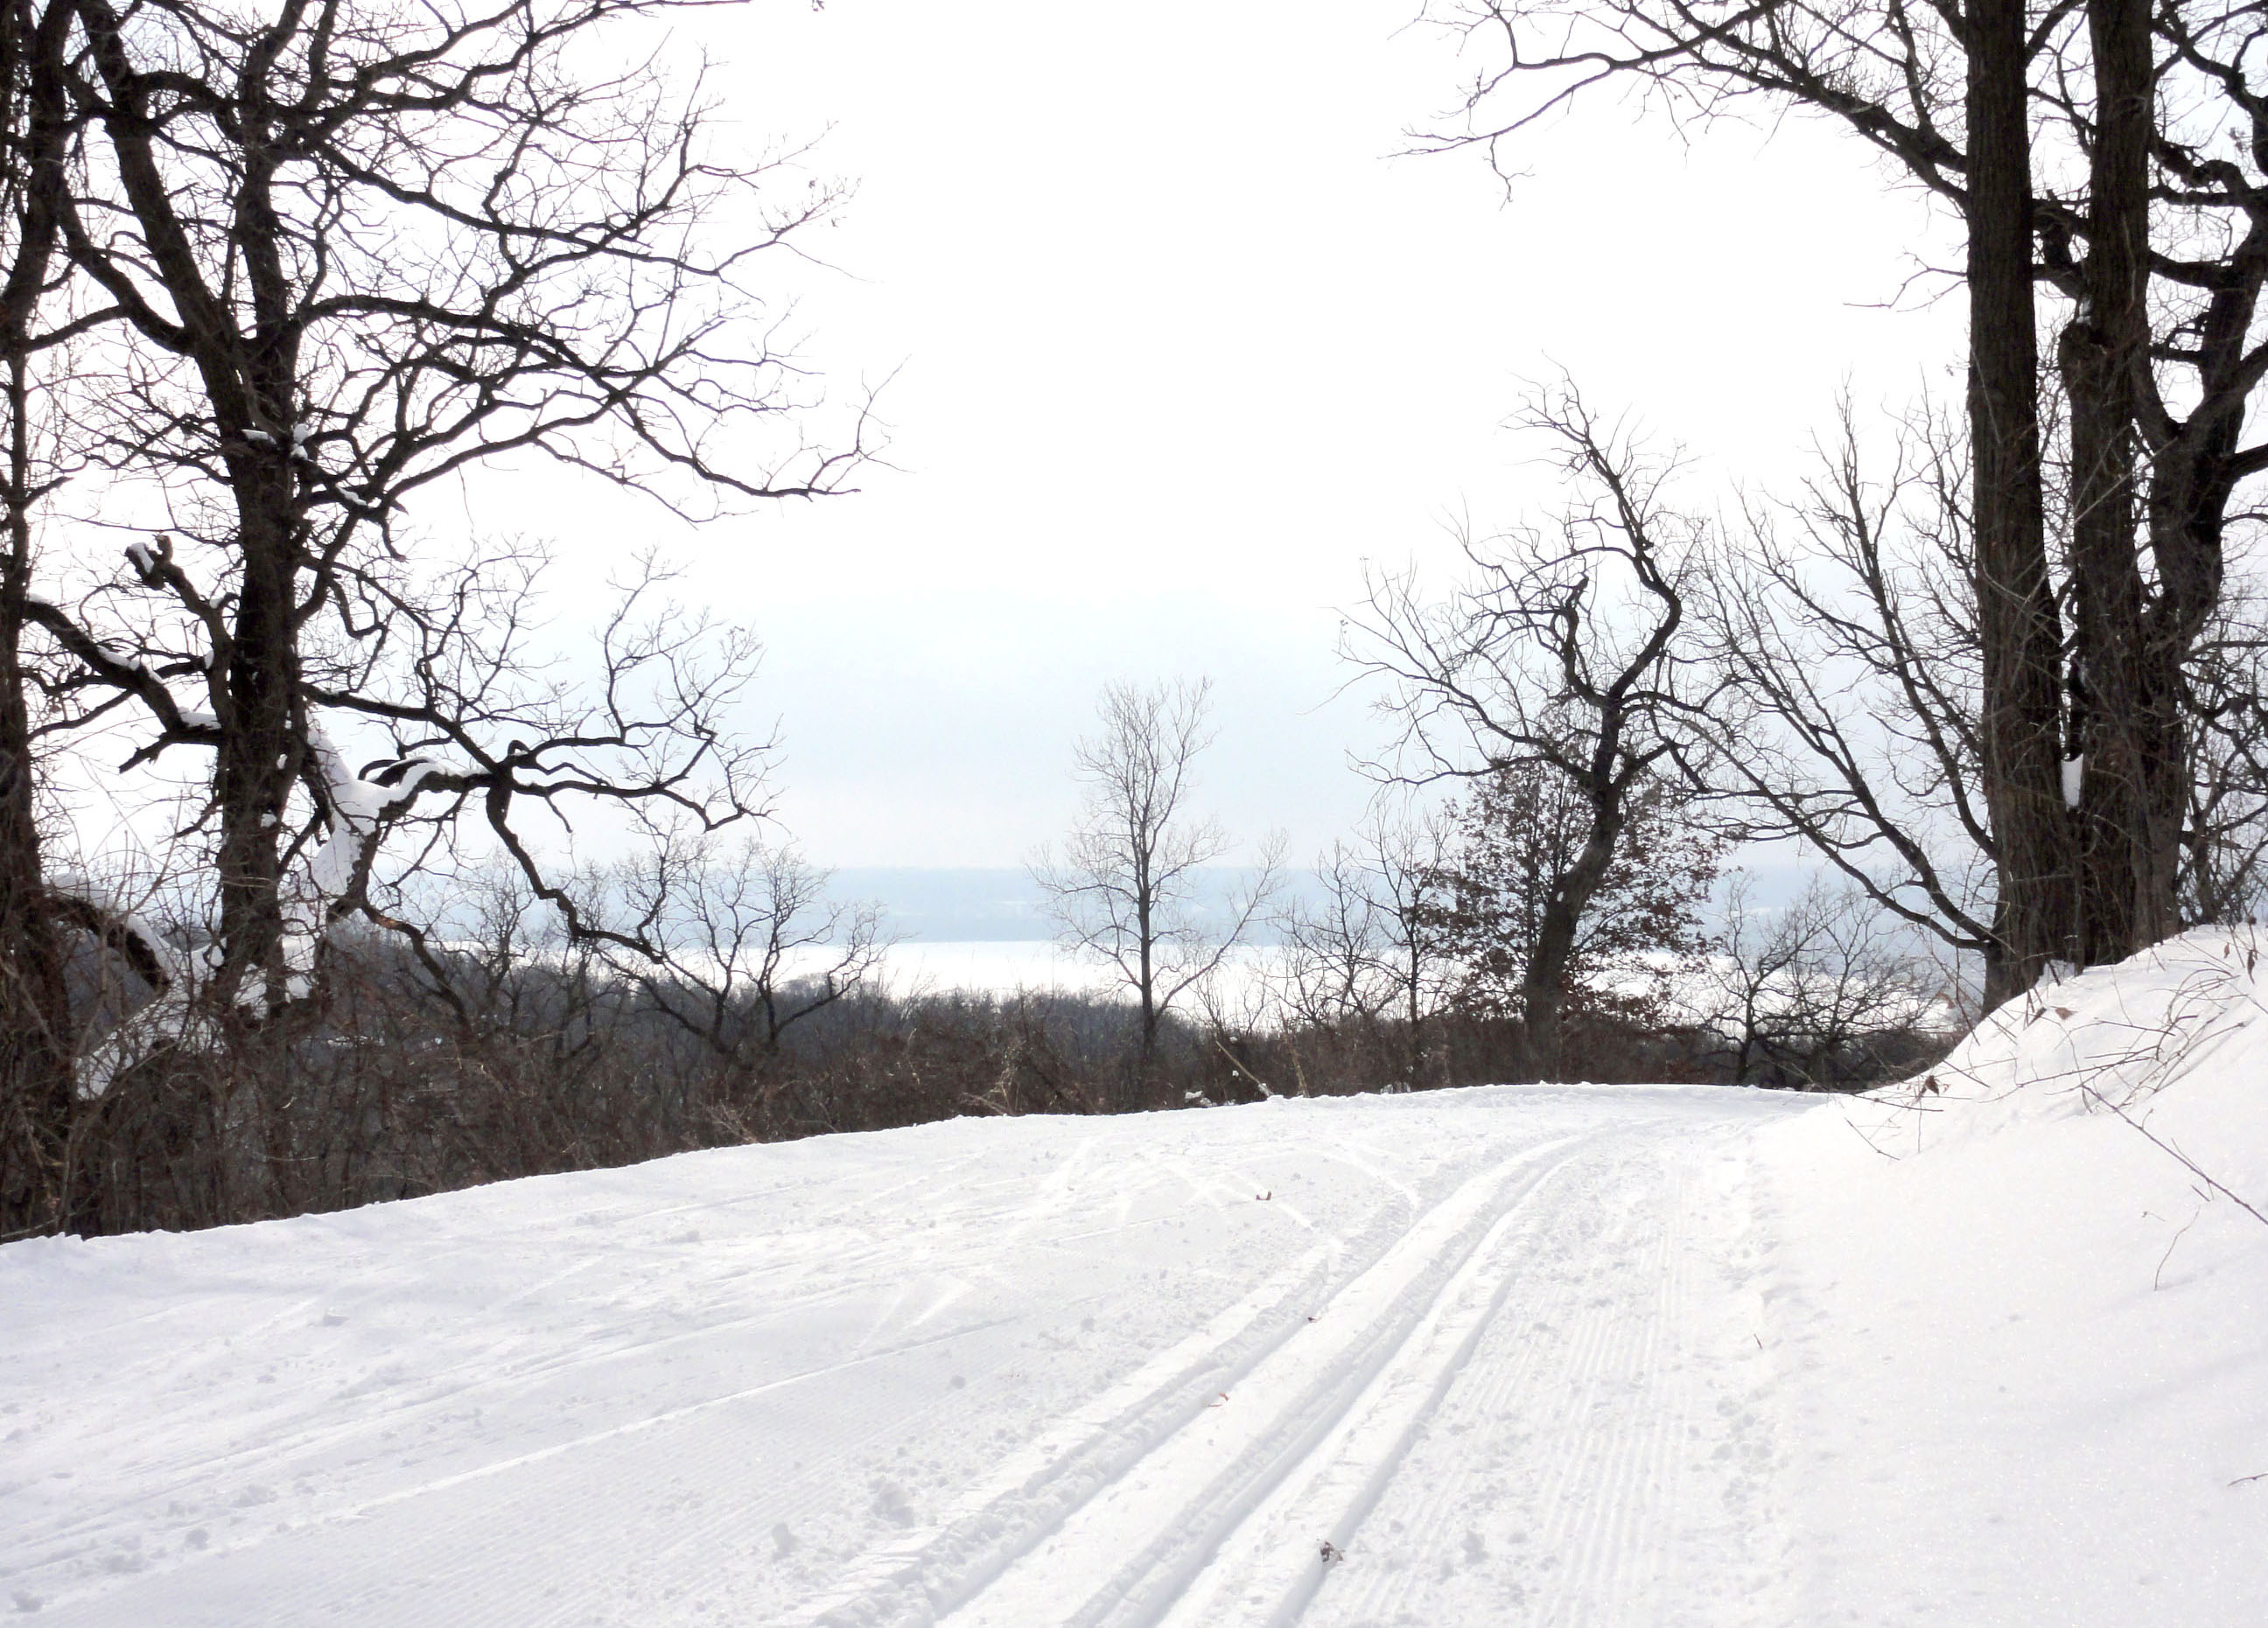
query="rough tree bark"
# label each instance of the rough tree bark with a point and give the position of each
(2125, 869)
(36, 1087)
(2015, 598)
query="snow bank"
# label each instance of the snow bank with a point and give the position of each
(2188, 1013)
(2024, 1307)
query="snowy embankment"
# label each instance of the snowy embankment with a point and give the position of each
(1640, 1356)
(2030, 1335)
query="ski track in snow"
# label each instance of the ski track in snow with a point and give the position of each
(1501, 1350)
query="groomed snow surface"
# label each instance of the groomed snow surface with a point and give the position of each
(1521, 1355)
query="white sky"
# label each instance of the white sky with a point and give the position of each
(1179, 344)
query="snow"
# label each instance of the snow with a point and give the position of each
(2050, 1332)
(165, 1015)
(357, 809)
(1640, 1355)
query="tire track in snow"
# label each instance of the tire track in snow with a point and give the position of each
(1055, 1471)
(1114, 1534)
(272, 1452)
(725, 1301)
(646, 1430)
(621, 1474)
(1269, 1568)
(274, 1456)
(1586, 1468)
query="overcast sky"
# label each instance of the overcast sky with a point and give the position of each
(1179, 343)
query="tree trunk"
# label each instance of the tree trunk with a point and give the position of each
(36, 1088)
(2017, 623)
(1413, 988)
(1544, 984)
(38, 1095)
(2190, 486)
(2126, 895)
(2193, 478)
(1146, 986)
(251, 382)
(260, 754)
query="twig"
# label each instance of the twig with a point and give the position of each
(2154, 1277)
(2166, 1148)
(1869, 1141)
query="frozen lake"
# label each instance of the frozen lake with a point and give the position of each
(1002, 967)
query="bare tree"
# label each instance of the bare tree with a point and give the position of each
(1845, 625)
(1558, 660)
(1820, 993)
(1942, 94)
(1517, 838)
(348, 252)
(37, 138)
(749, 943)
(2107, 156)
(357, 254)
(1128, 887)
(1370, 949)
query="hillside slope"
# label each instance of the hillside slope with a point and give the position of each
(1553, 1355)
(2028, 1344)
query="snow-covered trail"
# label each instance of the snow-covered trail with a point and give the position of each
(1504, 1351)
